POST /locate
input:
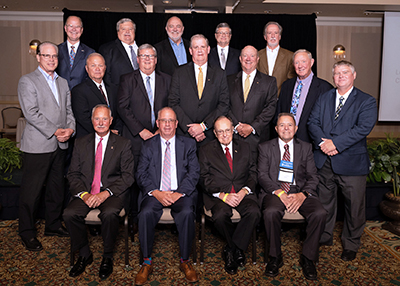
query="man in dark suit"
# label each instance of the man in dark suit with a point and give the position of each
(167, 174)
(199, 93)
(72, 54)
(339, 124)
(253, 101)
(223, 55)
(100, 174)
(91, 92)
(173, 51)
(299, 94)
(275, 60)
(288, 177)
(142, 93)
(120, 55)
(46, 104)
(229, 177)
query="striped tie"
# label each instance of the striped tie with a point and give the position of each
(72, 56)
(286, 157)
(339, 108)
(166, 175)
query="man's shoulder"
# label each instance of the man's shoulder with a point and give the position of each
(108, 46)
(264, 77)
(82, 141)
(361, 94)
(186, 140)
(82, 86)
(86, 49)
(163, 75)
(119, 139)
(268, 144)
(320, 82)
(234, 51)
(285, 52)
(161, 45)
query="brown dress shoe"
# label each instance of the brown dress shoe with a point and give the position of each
(144, 272)
(190, 273)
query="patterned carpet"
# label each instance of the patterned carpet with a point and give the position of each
(375, 263)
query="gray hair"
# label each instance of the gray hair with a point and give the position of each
(223, 25)
(273, 23)
(101, 106)
(46, 43)
(302, 51)
(145, 47)
(124, 20)
(93, 55)
(197, 36)
(165, 108)
(344, 63)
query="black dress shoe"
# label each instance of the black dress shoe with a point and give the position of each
(61, 232)
(80, 265)
(32, 244)
(230, 263)
(240, 257)
(106, 268)
(348, 255)
(308, 266)
(273, 265)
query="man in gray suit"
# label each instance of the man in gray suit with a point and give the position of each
(46, 103)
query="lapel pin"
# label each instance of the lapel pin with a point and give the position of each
(112, 147)
(235, 151)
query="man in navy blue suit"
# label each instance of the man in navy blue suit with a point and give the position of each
(72, 53)
(167, 175)
(339, 124)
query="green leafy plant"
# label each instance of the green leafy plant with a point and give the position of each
(10, 158)
(384, 155)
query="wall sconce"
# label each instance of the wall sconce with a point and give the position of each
(33, 46)
(339, 52)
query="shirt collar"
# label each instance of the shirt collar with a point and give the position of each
(282, 143)
(105, 137)
(144, 76)
(273, 50)
(47, 76)
(174, 44)
(307, 79)
(172, 140)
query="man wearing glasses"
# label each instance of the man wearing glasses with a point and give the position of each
(229, 178)
(167, 174)
(46, 103)
(142, 93)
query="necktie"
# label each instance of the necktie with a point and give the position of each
(296, 99)
(72, 56)
(134, 59)
(150, 95)
(97, 169)
(246, 87)
(230, 162)
(200, 83)
(102, 92)
(166, 175)
(286, 157)
(223, 59)
(339, 107)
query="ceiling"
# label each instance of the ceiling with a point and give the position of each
(338, 8)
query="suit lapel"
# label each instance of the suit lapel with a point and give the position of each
(220, 154)
(192, 78)
(141, 86)
(296, 156)
(158, 159)
(179, 156)
(122, 50)
(170, 52)
(264, 60)
(236, 156)
(90, 154)
(254, 87)
(64, 51)
(312, 93)
(96, 91)
(45, 85)
(78, 55)
(349, 101)
(108, 154)
(239, 87)
(207, 80)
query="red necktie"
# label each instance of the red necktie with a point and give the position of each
(286, 157)
(229, 158)
(97, 169)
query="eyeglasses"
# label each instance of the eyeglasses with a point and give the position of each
(47, 56)
(167, 120)
(143, 56)
(226, 131)
(344, 73)
(73, 27)
(223, 33)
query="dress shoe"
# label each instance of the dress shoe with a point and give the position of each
(144, 272)
(106, 268)
(308, 266)
(240, 257)
(32, 244)
(61, 232)
(80, 265)
(230, 262)
(273, 265)
(348, 255)
(190, 272)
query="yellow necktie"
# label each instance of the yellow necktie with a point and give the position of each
(200, 83)
(246, 87)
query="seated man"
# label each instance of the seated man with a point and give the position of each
(101, 185)
(167, 174)
(288, 176)
(229, 182)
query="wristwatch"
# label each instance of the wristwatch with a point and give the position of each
(307, 194)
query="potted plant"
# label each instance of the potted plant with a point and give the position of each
(385, 158)
(10, 158)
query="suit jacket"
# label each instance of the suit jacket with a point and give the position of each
(216, 175)
(117, 61)
(166, 60)
(84, 97)
(43, 114)
(259, 109)
(283, 68)
(232, 65)
(77, 73)
(348, 132)
(117, 167)
(318, 86)
(305, 173)
(134, 105)
(148, 174)
(184, 99)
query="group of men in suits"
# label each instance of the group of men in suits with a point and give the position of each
(127, 91)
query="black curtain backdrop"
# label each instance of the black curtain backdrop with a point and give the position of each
(299, 31)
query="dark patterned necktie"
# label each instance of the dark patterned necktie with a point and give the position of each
(339, 107)
(286, 157)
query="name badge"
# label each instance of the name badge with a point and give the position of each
(286, 172)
